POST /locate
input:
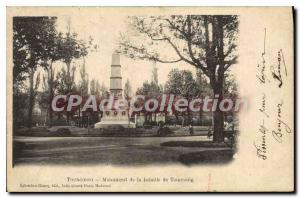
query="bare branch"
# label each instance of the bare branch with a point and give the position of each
(179, 54)
(146, 55)
(181, 57)
(189, 41)
(230, 62)
(176, 28)
(230, 49)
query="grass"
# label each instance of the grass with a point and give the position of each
(207, 144)
(207, 157)
(214, 154)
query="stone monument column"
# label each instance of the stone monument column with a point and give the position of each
(116, 76)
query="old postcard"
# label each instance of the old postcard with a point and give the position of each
(150, 99)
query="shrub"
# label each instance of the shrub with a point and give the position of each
(63, 132)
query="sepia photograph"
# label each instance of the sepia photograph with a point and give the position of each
(64, 80)
(150, 99)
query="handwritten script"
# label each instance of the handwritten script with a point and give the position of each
(269, 74)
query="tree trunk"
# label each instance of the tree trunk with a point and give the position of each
(50, 112)
(78, 119)
(68, 63)
(51, 92)
(31, 98)
(218, 117)
(166, 116)
(218, 80)
(176, 116)
(189, 117)
(201, 116)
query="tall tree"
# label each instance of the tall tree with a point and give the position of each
(97, 89)
(102, 90)
(182, 84)
(66, 83)
(31, 36)
(84, 81)
(150, 90)
(127, 90)
(72, 48)
(50, 56)
(155, 75)
(207, 42)
(93, 87)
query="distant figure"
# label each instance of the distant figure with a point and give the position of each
(160, 127)
(191, 129)
(209, 134)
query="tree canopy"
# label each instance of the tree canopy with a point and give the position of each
(207, 42)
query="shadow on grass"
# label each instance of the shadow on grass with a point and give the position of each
(207, 157)
(206, 144)
(216, 153)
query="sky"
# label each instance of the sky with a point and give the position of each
(105, 30)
